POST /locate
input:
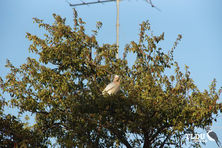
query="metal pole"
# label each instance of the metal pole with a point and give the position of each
(117, 28)
(89, 3)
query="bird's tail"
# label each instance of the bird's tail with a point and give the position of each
(218, 144)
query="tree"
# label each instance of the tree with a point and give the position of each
(14, 134)
(63, 88)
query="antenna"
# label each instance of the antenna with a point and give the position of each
(117, 16)
(117, 28)
(89, 3)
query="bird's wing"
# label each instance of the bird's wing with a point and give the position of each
(213, 135)
(109, 87)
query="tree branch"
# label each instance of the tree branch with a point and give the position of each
(146, 140)
(158, 132)
(163, 143)
(118, 134)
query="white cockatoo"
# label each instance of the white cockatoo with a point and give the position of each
(113, 87)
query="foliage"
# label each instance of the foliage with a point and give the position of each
(63, 88)
(14, 134)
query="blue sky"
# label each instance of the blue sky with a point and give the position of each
(199, 22)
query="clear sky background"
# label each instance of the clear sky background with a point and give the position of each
(199, 22)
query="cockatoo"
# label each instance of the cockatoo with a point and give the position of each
(113, 87)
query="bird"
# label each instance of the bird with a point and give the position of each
(113, 87)
(212, 136)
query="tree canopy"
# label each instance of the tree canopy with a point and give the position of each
(62, 86)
